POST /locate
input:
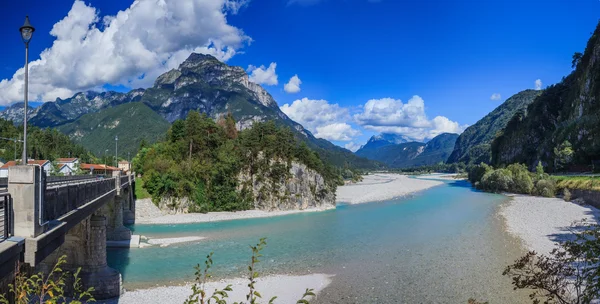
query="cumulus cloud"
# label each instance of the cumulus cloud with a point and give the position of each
(337, 131)
(293, 86)
(389, 115)
(263, 75)
(323, 119)
(130, 48)
(496, 96)
(538, 84)
(352, 146)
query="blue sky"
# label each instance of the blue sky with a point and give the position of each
(412, 67)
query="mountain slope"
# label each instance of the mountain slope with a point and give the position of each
(413, 154)
(474, 144)
(131, 122)
(378, 141)
(568, 111)
(201, 83)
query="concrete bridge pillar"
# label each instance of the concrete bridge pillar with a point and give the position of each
(24, 186)
(129, 203)
(85, 247)
(115, 230)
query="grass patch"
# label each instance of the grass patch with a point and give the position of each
(577, 182)
(140, 191)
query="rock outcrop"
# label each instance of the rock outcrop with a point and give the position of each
(302, 188)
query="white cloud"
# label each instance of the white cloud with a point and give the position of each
(389, 115)
(293, 86)
(323, 119)
(130, 48)
(263, 75)
(496, 96)
(538, 84)
(337, 131)
(352, 146)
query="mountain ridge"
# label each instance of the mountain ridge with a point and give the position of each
(200, 83)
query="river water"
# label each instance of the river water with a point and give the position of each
(443, 245)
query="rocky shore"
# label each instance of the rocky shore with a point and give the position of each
(542, 222)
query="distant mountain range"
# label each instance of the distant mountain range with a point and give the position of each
(201, 83)
(397, 152)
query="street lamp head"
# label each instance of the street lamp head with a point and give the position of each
(26, 31)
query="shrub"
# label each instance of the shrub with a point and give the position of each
(497, 181)
(200, 296)
(545, 187)
(477, 172)
(568, 275)
(39, 288)
(522, 182)
(566, 195)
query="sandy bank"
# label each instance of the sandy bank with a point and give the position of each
(540, 222)
(288, 289)
(380, 187)
(450, 176)
(156, 216)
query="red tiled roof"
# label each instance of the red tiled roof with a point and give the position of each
(29, 162)
(98, 167)
(66, 160)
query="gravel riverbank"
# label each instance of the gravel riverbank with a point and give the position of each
(380, 187)
(540, 222)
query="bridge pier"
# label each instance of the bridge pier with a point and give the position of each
(85, 248)
(115, 230)
(129, 204)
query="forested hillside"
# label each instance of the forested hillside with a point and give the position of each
(41, 144)
(561, 127)
(473, 146)
(131, 122)
(210, 166)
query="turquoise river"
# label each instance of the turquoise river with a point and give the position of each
(443, 245)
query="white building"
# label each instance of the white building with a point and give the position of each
(45, 164)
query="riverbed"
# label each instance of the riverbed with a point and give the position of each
(442, 245)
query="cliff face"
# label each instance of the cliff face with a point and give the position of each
(301, 188)
(568, 111)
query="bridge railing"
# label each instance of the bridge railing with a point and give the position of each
(62, 199)
(124, 180)
(6, 220)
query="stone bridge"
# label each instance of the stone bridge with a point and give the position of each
(43, 219)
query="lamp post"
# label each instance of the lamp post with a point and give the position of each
(26, 34)
(105, 161)
(116, 151)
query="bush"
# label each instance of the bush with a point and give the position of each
(497, 181)
(545, 187)
(40, 288)
(568, 275)
(477, 172)
(567, 195)
(522, 182)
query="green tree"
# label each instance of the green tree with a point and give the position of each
(563, 155)
(576, 59)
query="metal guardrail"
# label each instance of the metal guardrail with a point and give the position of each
(6, 220)
(62, 199)
(51, 180)
(124, 180)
